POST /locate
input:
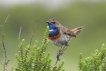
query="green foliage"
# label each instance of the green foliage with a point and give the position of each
(96, 62)
(34, 58)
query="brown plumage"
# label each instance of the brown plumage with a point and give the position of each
(64, 35)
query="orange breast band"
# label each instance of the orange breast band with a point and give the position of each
(54, 37)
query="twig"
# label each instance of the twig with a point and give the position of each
(4, 48)
(19, 40)
(33, 31)
(60, 53)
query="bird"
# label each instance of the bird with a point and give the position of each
(59, 35)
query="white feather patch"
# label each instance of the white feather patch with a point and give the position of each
(51, 30)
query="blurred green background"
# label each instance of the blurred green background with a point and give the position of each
(91, 15)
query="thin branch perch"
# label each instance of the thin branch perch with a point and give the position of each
(60, 53)
(19, 40)
(4, 48)
(33, 31)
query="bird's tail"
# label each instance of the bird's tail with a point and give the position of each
(77, 30)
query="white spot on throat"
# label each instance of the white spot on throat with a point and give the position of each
(51, 30)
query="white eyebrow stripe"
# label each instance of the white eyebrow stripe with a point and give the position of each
(51, 30)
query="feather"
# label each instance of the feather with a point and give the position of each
(54, 37)
(77, 30)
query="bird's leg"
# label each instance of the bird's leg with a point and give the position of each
(64, 48)
(61, 52)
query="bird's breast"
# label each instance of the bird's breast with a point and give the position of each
(60, 39)
(55, 37)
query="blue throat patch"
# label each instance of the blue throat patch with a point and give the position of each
(53, 30)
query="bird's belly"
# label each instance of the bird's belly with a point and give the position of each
(62, 41)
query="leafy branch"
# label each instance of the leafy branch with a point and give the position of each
(35, 59)
(95, 62)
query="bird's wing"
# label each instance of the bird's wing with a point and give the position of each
(67, 31)
(72, 32)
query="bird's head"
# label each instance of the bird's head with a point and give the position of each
(52, 23)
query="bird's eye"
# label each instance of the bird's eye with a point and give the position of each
(53, 22)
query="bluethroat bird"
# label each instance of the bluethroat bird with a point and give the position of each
(60, 35)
